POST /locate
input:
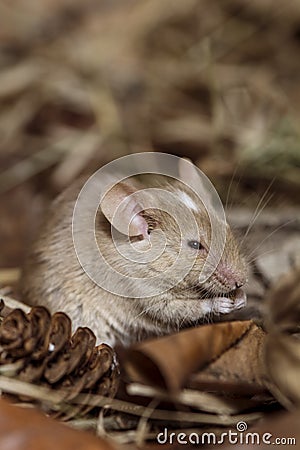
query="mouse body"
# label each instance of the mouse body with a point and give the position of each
(54, 277)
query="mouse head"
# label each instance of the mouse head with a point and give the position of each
(166, 217)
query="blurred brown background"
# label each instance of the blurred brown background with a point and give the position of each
(82, 83)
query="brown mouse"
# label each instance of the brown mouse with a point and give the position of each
(54, 277)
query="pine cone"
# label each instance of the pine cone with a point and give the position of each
(43, 350)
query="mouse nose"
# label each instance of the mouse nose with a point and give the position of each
(239, 284)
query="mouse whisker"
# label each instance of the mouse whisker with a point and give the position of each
(230, 185)
(254, 258)
(258, 210)
(268, 236)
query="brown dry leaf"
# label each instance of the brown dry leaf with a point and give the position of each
(282, 349)
(24, 429)
(169, 361)
(284, 304)
(240, 369)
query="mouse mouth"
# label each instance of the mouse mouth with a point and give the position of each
(225, 302)
(237, 296)
(229, 301)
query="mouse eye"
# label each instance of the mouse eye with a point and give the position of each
(196, 245)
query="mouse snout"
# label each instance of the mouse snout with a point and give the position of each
(230, 278)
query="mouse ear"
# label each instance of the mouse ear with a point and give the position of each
(123, 211)
(189, 174)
